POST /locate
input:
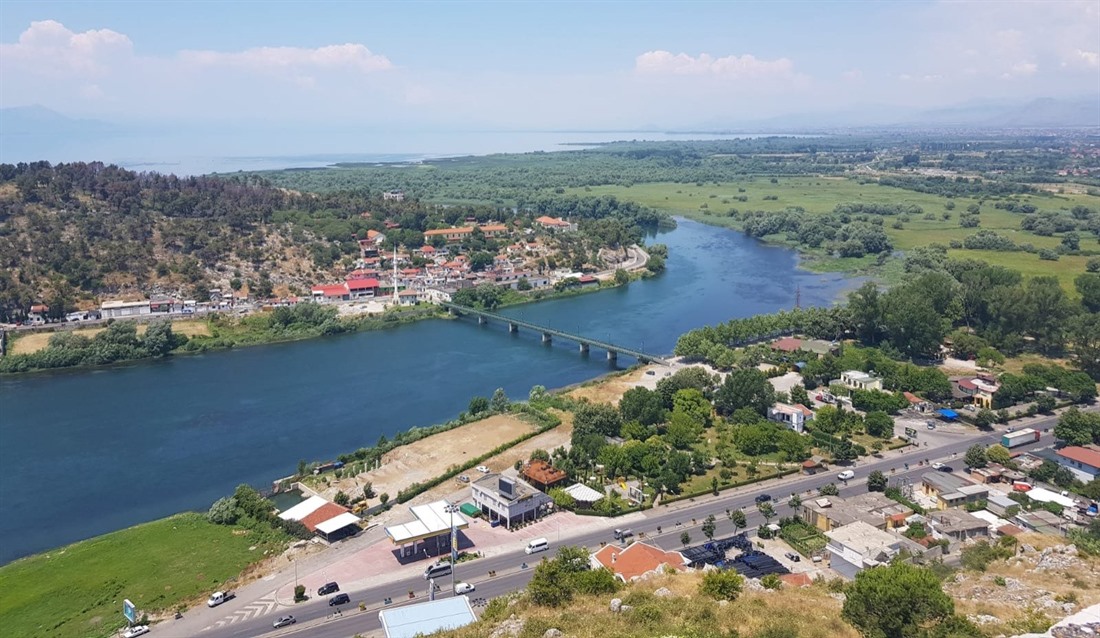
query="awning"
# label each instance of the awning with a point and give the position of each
(303, 509)
(948, 414)
(469, 509)
(337, 523)
(583, 493)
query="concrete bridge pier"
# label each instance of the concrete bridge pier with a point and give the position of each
(513, 327)
(546, 337)
(584, 348)
(612, 355)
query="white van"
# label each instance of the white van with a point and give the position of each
(437, 570)
(537, 545)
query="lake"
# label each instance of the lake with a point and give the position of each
(88, 452)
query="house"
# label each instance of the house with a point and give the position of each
(1040, 521)
(1001, 505)
(917, 403)
(362, 288)
(957, 525)
(857, 546)
(542, 475)
(508, 500)
(873, 508)
(860, 380)
(393, 196)
(164, 305)
(814, 464)
(979, 390)
(635, 561)
(462, 232)
(555, 223)
(329, 520)
(411, 297)
(329, 293)
(586, 281)
(952, 491)
(793, 416)
(38, 312)
(1084, 462)
(119, 309)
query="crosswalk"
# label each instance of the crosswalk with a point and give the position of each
(252, 610)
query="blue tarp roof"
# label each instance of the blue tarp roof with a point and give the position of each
(948, 414)
(427, 618)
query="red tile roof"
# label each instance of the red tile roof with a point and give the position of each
(912, 398)
(797, 580)
(1010, 530)
(322, 514)
(967, 384)
(637, 559)
(362, 284)
(543, 472)
(1082, 455)
(335, 290)
(787, 344)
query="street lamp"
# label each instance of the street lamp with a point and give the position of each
(451, 508)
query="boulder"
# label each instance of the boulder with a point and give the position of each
(616, 604)
(508, 628)
(663, 592)
(552, 633)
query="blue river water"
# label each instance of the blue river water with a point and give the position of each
(84, 453)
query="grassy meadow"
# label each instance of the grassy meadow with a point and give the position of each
(77, 591)
(710, 203)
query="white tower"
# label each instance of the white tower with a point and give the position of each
(396, 299)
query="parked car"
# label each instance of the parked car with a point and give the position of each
(464, 478)
(339, 599)
(763, 498)
(328, 588)
(220, 597)
(283, 621)
(793, 557)
(945, 468)
(937, 466)
(135, 631)
(846, 475)
(463, 588)
(482, 469)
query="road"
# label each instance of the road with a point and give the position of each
(316, 619)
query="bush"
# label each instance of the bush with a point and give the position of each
(978, 556)
(721, 585)
(299, 593)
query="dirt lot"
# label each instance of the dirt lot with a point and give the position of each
(430, 457)
(32, 342)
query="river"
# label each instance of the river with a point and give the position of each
(84, 453)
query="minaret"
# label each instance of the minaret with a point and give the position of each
(396, 299)
(798, 297)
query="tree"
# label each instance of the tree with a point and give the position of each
(549, 586)
(722, 584)
(1045, 403)
(771, 581)
(223, 511)
(383, 498)
(708, 527)
(621, 276)
(691, 402)
(341, 498)
(879, 424)
(745, 388)
(1078, 428)
(876, 481)
(767, 511)
(1088, 286)
(642, 405)
(998, 453)
(1084, 333)
(685, 539)
(829, 489)
(737, 517)
(975, 456)
(895, 601)
(799, 395)
(478, 405)
(985, 418)
(368, 490)
(597, 418)
(682, 432)
(499, 403)
(795, 501)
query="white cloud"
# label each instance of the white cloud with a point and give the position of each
(1090, 59)
(48, 46)
(278, 59)
(745, 66)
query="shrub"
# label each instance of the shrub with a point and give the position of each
(721, 585)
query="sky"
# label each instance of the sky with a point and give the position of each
(534, 66)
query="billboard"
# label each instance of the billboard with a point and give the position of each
(129, 611)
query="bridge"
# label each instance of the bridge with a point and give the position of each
(548, 334)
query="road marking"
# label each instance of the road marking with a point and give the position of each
(252, 610)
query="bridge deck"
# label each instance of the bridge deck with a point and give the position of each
(604, 345)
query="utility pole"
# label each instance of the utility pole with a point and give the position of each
(798, 297)
(451, 509)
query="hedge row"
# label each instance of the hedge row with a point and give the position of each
(722, 488)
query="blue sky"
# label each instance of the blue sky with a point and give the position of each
(535, 65)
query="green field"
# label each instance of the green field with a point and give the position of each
(710, 202)
(78, 590)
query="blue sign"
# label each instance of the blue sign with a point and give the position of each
(129, 611)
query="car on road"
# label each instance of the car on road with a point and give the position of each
(846, 475)
(283, 621)
(763, 498)
(463, 588)
(623, 534)
(339, 599)
(135, 631)
(931, 425)
(482, 469)
(793, 557)
(328, 588)
(464, 479)
(220, 597)
(937, 466)
(945, 468)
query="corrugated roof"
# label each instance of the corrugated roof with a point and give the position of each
(303, 509)
(427, 618)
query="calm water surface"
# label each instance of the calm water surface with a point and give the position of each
(90, 452)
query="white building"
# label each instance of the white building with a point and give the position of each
(117, 309)
(508, 500)
(793, 416)
(860, 380)
(859, 545)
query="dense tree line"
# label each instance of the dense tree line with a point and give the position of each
(119, 342)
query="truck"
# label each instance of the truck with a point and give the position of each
(1020, 437)
(220, 597)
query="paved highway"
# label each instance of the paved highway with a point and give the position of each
(316, 620)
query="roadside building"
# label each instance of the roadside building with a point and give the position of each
(542, 475)
(555, 223)
(952, 491)
(917, 403)
(957, 524)
(508, 500)
(1040, 521)
(873, 508)
(330, 293)
(814, 464)
(858, 546)
(427, 618)
(329, 520)
(1083, 462)
(857, 380)
(431, 526)
(636, 560)
(362, 288)
(1001, 505)
(123, 309)
(793, 416)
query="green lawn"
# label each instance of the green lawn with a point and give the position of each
(78, 590)
(821, 195)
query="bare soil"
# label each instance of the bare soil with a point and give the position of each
(35, 341)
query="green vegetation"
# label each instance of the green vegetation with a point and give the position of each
(721, 584)
(77, 590)
(902, 601)
(558, 580)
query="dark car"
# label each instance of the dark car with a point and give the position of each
(339, 599)
(946, 468)
(763, 498)
(327, 589)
